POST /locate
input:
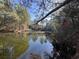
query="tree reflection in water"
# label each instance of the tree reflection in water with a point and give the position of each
(39, 48)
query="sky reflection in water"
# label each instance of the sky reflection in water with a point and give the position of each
(39, 46)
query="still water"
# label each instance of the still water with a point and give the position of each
(25, 46)
(39, 48)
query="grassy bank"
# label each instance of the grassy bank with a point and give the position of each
(18, 43)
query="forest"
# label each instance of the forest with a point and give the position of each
(49, 22)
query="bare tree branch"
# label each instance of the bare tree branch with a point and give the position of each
(63, 4)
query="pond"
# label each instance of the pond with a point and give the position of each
(25, 46)
(39, 48)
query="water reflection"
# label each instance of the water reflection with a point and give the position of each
(39, 48)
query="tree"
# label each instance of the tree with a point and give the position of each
(41, 6)
(10, 19)
(7, 17)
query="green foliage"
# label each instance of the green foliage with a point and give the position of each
(12, 19)
(22, 13)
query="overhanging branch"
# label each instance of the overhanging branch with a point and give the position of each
(63, 4)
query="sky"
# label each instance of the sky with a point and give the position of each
(32, 9)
